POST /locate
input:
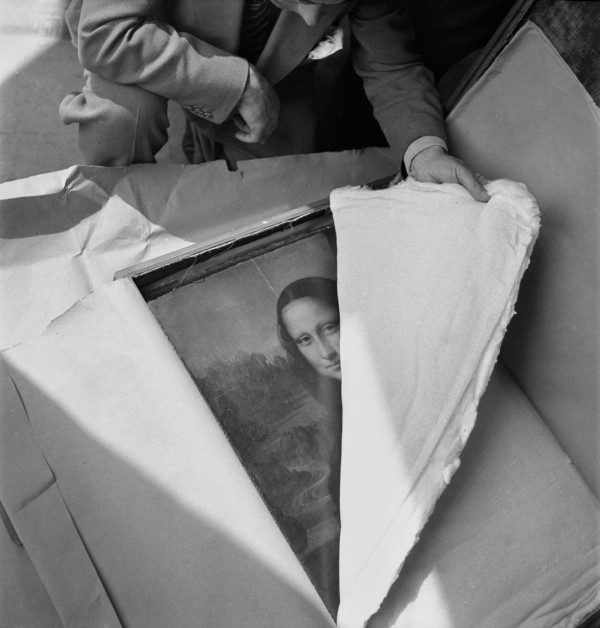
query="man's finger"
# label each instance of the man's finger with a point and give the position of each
(470, 182)
(250, 136)
(251, 131)
(481, 178)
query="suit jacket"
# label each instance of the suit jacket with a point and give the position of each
(185, 50)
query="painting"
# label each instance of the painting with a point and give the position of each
(259, 333)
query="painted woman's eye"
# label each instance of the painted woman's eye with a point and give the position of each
(331, 328)
(303, 341)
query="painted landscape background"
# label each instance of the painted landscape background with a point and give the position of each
(224, 329)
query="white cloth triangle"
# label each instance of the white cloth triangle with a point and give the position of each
(427, 280)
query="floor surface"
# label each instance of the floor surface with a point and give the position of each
(38, 66)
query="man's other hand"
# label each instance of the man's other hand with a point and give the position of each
(257, 111)
(434, 165)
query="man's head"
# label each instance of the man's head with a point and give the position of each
(309, 10)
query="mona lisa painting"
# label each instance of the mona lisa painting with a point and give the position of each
(260, 335)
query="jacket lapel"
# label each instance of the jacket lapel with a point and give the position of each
(292, 40)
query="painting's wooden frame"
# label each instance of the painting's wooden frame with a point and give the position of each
(164, 273)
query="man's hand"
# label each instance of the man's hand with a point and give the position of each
(434, 165)
(257, 111)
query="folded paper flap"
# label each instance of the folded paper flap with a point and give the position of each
(25, 473)
(426, 291)
(62, 562)
(542, 127)
(43, 523)
(159, 496)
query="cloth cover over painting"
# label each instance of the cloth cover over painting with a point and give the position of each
(427, 281)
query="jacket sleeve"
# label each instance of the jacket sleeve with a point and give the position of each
(122, 41)
(398, 85)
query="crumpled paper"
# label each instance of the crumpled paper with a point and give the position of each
(66, 233)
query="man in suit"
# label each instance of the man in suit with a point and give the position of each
(246, 97)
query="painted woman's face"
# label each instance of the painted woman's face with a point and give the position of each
(315, 328)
